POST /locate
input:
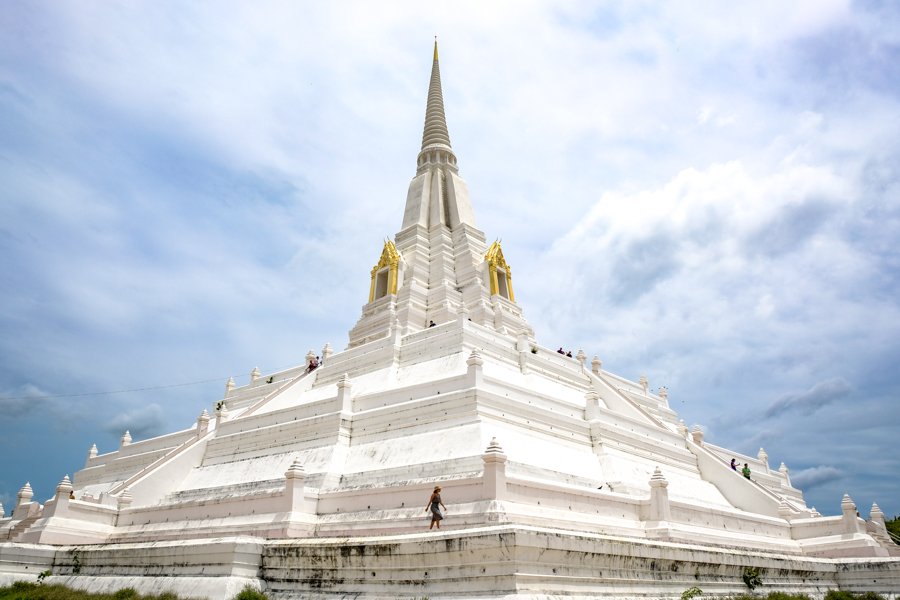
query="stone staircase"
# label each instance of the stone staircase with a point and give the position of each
(883, 537)
(16, 530)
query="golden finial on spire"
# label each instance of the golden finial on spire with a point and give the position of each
(435, 48)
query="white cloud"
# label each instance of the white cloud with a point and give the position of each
(141, 422)
(811, 400)
(815, 476)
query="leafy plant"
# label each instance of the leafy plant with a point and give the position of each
(76, 562)
(19, 586)
(43, 575)
(126, 594)
(751, 577)
(691, 592)
(248, 593)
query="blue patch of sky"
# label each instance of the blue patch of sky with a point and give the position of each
(844, 58)
(603, 22)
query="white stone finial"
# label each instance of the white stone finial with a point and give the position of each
(785, 472)
(92, 453)
(2, 511)
(660, 510)
(229, 385)
(327, 351)
(203, 422)
(25, 493)
(877, 516)
(126, 439)
(475, 359)
(847, 504)
(657, 479)
(255, 374)
(763, 458)
(645, 383)
(697, 435)
(65, 486)
(494, 447)
(295, 471)
(664, 393)
(596, 365)
(814, 513)
(581, 356)
(125, 499)
(222, 411)
(850, 516)
(682, 428)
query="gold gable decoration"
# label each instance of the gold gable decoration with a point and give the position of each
(499, 272)
(390, 259)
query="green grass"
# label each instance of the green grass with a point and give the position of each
(771, 596)
(836, 595)
(832, 595)
(22, 590)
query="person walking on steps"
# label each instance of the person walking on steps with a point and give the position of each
(434, 505)
(746, 471)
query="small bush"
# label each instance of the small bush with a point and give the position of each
(126, 594)
(751, 577)
(20, 586)
(248, 593)
(692, 592)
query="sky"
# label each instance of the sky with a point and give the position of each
(704, 193)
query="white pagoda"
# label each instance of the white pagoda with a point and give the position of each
(560, 478)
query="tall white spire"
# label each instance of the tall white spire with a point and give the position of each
(437, 195)
(435, 134)
(437, 266)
